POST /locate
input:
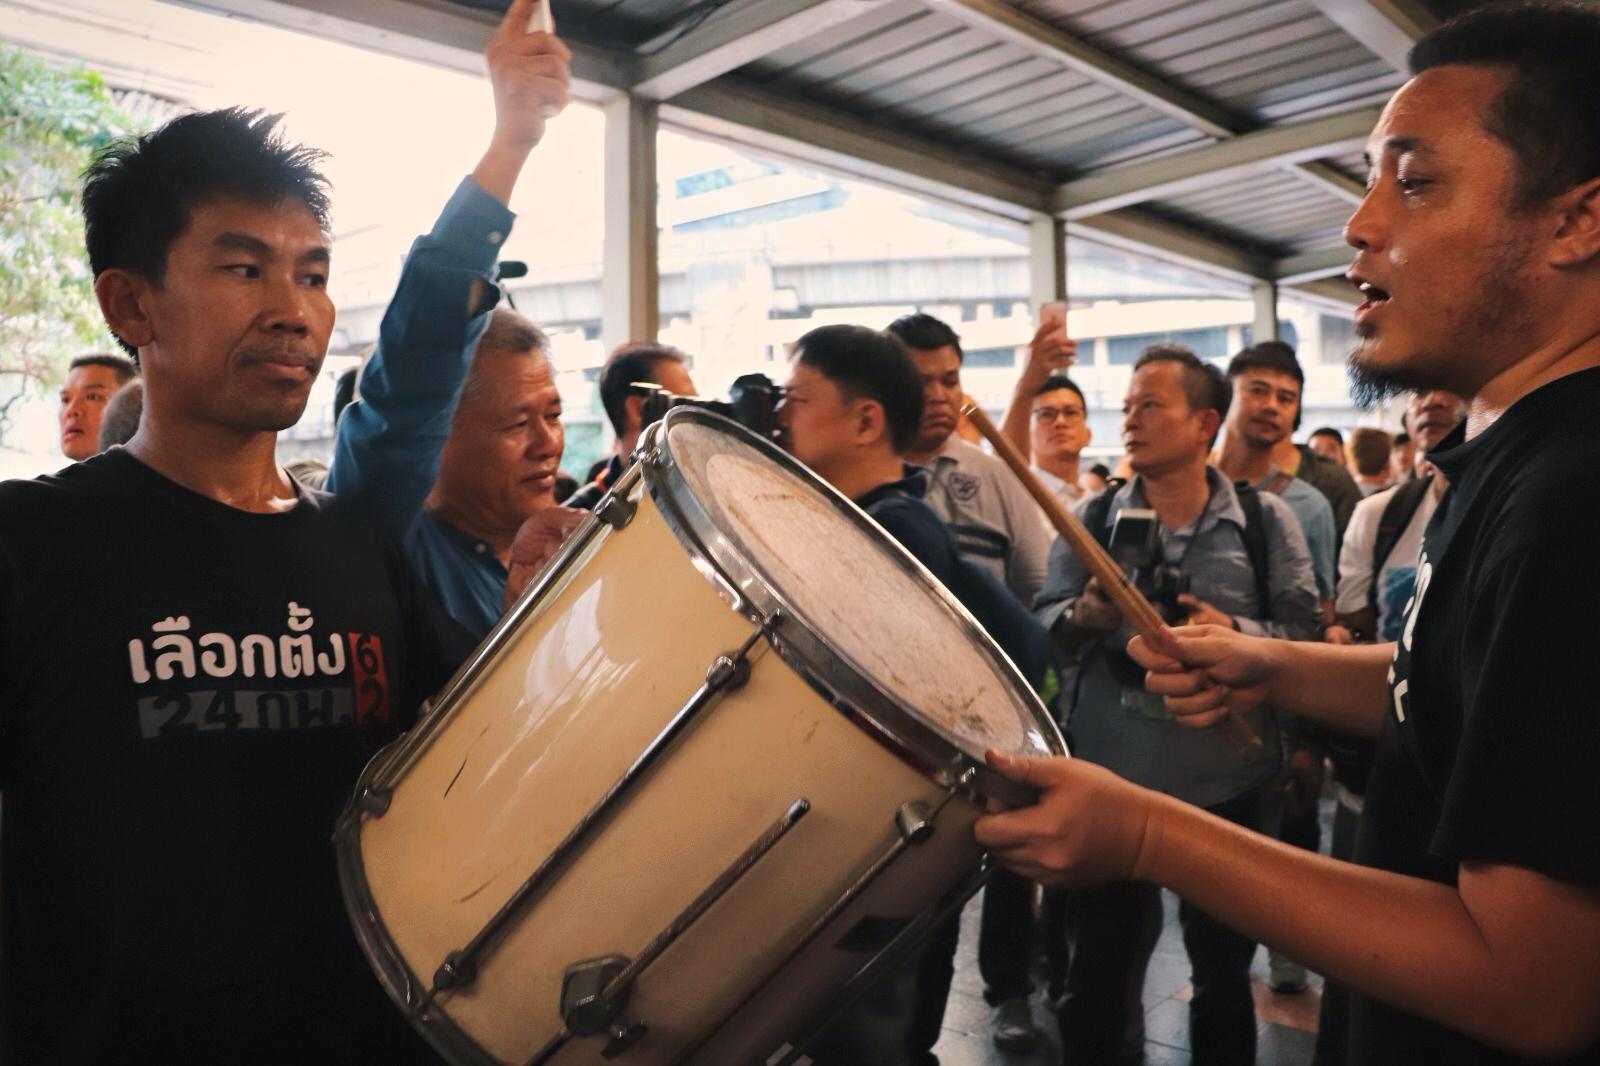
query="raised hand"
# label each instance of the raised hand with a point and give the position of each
(531, 73)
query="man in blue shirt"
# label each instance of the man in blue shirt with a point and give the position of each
(1174, 407)
(457, 435)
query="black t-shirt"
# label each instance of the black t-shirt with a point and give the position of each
(1490, 744)
(188, 693)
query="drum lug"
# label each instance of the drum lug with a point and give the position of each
(728, 671)
(915, 821)
(374, 801)
(958, 776)
(585, 1007)
(616, 510)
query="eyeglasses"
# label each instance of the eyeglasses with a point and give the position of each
(1050, 414)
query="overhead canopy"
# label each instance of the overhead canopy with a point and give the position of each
(1223, 133)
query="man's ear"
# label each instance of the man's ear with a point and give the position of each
(121, 295)
(1577, 238)
(1210, 426)
(870, 424)
(633, 406)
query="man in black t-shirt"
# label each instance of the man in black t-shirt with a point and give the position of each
(1470, 922)
(851, 409)
(182, 719)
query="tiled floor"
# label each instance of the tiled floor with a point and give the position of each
(1287, 1024)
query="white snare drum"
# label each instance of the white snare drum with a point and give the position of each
(723, 751)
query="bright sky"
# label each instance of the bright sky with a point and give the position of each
(400, 134)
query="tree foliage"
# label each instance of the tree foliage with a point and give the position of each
(52, 119)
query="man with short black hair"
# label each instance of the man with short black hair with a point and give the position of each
(457, 438)
(852, 407)
(633, 363)
(1469, 924)
(1328, 443)
(1327, 476)
(1060, 434)
(92, 380)
(1265, 402)
(221, 697)
(994, 520)
(1247, 567)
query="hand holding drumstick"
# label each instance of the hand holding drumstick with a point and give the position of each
(1113, 583)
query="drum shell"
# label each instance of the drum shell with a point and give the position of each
(571, 699)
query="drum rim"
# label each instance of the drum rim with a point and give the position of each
(798, 641)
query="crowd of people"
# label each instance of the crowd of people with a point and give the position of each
(1458, 918)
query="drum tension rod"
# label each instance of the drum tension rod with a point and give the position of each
(594, 992)
(915, 824)
(727, 672)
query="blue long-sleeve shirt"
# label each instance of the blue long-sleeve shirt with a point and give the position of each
(388, 443)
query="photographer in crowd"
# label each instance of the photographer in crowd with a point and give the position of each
(654, 364)
(1244, 562)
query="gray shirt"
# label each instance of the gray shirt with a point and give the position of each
(995, 522)
(1126, 729)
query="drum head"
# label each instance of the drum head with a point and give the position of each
(777, 532)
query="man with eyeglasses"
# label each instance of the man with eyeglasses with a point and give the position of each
(1060, 434)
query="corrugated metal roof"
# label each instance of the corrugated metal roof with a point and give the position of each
(962, 77)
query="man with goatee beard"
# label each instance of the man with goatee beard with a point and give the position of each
(1468, 924)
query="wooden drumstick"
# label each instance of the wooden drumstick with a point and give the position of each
(1116, 583)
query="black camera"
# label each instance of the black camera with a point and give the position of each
(1136, 546)
(752, 402)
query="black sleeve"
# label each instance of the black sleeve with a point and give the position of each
(435, 644)
(928, 542)
(7, 644)
(1523, 789)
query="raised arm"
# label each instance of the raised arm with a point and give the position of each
(388, 444)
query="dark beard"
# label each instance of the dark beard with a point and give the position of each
(1370, 386)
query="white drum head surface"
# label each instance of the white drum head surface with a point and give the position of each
(854, 589)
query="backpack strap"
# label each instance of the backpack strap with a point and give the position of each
(1397, 515)
(1278, 482)
(1255, 544)
(1097, 515)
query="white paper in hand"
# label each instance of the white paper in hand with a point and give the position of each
(541, 19)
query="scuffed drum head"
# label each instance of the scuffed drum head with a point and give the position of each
(855, 589)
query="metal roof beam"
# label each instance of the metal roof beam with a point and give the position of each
(1335, 293)
(1314, 264)
(1136, 231)
(1215, 164)
(1331, 181)
(741, 33)
(428, 31)
(836, 140)
(1388, 28)
(822, 137)
(1051, 42)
